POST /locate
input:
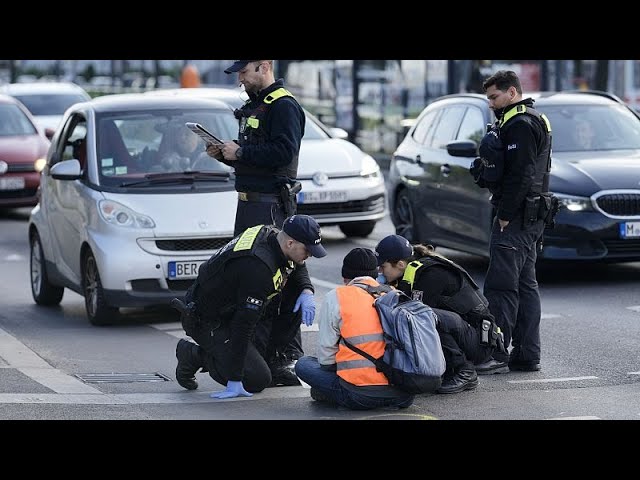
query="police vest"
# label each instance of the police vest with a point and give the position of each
(253, 132)
(361, 327)
(491, 149)
(464, 301)
(253, 241)
(543, 162)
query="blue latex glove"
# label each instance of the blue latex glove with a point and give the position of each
(381, 279)
(234, 389)
(306, 301)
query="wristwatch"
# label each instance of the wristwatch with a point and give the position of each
(239, 153)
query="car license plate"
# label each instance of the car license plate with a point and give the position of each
(12, 183)
(322, 197)
(184, 269)
(630, 230)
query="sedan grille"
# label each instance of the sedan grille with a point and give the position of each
(192, 244)
(620, 204)
(369, 205)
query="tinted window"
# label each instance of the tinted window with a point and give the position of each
(577, 128)
(472, 127)
(423, 126)
(447, 126)
(13, 121)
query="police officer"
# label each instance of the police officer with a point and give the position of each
(228, 299)
(265, 160)
(265, 157)
(524, 159)
(467, 331)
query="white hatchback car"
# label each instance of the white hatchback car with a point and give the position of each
(341, 184)
(130, 203)
(46, 101)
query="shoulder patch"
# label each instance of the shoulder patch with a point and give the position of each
(254, 303)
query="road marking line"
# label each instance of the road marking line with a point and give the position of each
(634, 308)
(550, 315)
(633, 373)
(552, 380)
(582, 417)
(17, 355)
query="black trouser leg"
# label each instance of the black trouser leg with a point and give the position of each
(460, 343)
(250, 214)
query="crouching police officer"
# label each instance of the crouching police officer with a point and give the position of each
(226, 305)
(468, 333)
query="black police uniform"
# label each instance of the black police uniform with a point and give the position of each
(510, 285)
(232, 292)
(271, 129)
(455, 297)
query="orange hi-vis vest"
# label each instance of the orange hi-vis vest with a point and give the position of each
(361, 327)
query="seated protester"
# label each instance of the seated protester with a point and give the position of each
(461, 308)
(338, 375)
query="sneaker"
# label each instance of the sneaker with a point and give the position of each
(523, 366)
(491, 367)
(461, 381)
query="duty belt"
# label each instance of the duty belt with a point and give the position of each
(258, 197)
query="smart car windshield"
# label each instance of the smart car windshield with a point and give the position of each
(133, 145)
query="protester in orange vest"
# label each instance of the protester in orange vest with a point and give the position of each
(338, 375)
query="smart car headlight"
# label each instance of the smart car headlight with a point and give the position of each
(370, 168)
(39, 164)
(117, 214)
(575, 204)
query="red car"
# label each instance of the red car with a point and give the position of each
(23, 148)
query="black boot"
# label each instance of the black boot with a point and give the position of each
(189, 361)
(465, 379)
(283, 371)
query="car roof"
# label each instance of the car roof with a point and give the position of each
(7, 99)
(141, 101)
(36, 88)
(565, 97)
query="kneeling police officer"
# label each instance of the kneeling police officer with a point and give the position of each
(226, 305)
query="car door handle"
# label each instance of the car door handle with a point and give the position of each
(445, 170)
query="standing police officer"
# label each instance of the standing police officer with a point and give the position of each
(524, 160)
(265, 160)
(225, 311)
(265, 157)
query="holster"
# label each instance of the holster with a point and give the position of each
(531, 212)
(289, 196)
(549, 207)
(188, 315)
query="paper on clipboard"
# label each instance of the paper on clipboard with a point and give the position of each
(208, 137)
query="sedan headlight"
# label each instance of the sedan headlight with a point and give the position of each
(370, 168)
(117, 214)
(39, 164)
(575, 204)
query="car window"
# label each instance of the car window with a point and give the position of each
(422, 127)
(577, 128)
(448, 125)
(472, 126)
(133, 144)
(50, 104)
(13, 121)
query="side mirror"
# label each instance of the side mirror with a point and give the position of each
(66, 170)
(463, 148)
(49, 133)
(340, 133)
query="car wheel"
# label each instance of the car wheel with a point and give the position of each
(404, 217)
(357, 229)
(98, 311)
(43, 292)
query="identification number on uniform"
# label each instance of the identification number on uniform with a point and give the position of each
(184, 269)
(12, 183)
(630, 230)
(330, 196)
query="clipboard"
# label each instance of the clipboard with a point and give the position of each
(208, 137)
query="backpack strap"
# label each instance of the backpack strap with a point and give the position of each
(379, 364)
(375, 292)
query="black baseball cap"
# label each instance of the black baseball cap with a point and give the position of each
(238, 65)
(393, 248)
(305, 229)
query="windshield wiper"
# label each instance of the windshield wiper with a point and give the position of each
(179, 177)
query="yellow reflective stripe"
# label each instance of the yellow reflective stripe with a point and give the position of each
(277, 280)
(546, 121)
(253, 122)
(512, 113)
(245, 242)
(276, 94)
(410, 272)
